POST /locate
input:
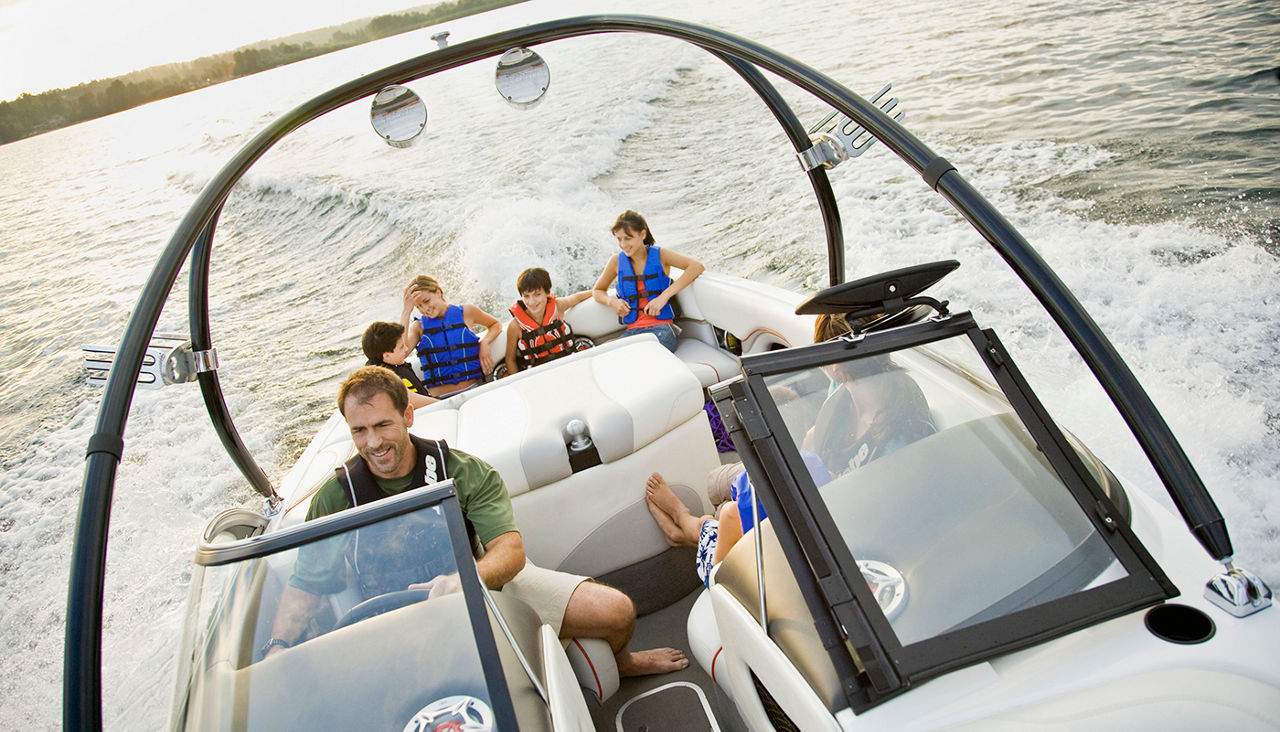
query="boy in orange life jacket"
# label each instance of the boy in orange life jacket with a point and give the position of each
(453, 357)
(384, 346)
(537, 332)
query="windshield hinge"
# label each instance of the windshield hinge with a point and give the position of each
(1104, 513)
(876, 667)
(993, 355)
(752, 421)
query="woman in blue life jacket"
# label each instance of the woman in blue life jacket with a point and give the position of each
(452, 356)
(645, 287)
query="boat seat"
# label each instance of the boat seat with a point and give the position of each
(711, 364)
(696, 346)
(644, 413)
(791, 626)
(761, 321)
(626, 393)
(594, 664)
(704, 634)
(595, 521)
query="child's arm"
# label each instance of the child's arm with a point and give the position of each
(600, 291)
(513, 337)
(412, 326)
(568, 301)
(475, 316)
(691, 269)
(418, 401)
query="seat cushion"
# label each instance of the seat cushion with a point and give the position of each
(594, 665)
(704, 634)
(628, 395)
(710, 364)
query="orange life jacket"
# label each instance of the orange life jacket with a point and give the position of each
(541, 342)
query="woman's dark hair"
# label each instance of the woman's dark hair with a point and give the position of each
(634, 223)
(834, 325)
(829, 326)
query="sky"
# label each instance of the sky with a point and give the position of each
(50, 44)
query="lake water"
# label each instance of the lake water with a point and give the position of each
(1134, 144)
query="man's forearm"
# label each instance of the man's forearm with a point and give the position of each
(502, 561)
(294, 612)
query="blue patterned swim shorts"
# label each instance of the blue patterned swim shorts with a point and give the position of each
(707, 539)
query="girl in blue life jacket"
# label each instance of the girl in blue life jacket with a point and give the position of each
(645, 287)
(452, 356)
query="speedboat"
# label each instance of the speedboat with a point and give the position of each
(986, 571)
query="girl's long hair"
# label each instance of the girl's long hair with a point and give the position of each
(634, 223)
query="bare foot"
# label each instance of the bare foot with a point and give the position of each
(659, 492)
(653, 661)
(670, 531)
(661, 500)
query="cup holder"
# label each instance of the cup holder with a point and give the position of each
(1180, 624)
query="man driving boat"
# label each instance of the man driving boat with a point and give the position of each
(389, 461)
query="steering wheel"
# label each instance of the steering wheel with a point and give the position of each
(380, 604)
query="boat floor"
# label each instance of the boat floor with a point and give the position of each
(678, 700)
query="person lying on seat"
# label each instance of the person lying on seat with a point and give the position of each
(452, 357)
(876, 410)
(389, 461)
(537, 332)
(383, 345)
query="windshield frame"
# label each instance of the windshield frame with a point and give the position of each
(442, 494)
(826, 570)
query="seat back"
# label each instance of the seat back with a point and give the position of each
(791, 626)
(643, 411)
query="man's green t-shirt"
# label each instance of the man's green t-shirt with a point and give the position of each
(481, 494)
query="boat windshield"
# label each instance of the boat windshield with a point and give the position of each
(923, 464)
(938, 489)
(371, 655)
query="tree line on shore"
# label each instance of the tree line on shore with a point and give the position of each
(32, 114)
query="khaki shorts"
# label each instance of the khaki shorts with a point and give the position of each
(719, 482)
(545, 590)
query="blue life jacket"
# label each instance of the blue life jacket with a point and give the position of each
(448, 351)
(655, 281)
(391, 555)
(740, 490)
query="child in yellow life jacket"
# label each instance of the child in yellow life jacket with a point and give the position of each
(383, 345)
(537, 332)
(645, 287)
